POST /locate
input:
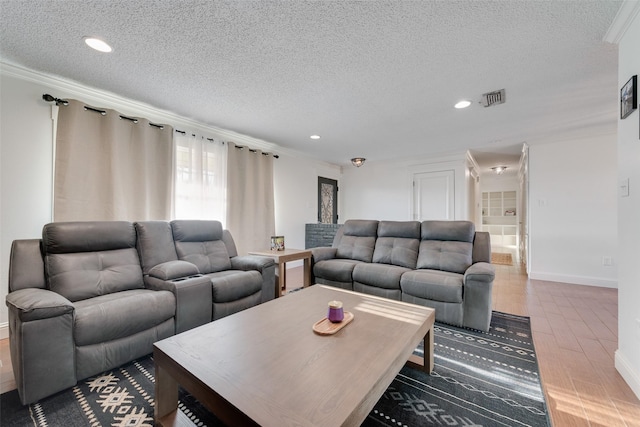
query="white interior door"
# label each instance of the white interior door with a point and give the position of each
(433, 195)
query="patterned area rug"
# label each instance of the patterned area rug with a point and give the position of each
(500, 258)
(479, 380)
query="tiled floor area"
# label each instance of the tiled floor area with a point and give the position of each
(575, 333)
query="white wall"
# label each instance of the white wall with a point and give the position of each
(26, 153)
(573, 211)
(296, 196)
(25, 170)
(628, 353)
(494, 182)
(384, 191)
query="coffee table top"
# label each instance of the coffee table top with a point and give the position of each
(269, 364)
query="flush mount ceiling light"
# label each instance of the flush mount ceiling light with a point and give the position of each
(358, 161)
(97, 44)
(315, 137)
(499, 169)
(462, 104)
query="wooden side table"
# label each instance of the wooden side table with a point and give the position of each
(281, 258)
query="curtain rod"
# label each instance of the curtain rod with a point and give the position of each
(193, 134)
(58, 101)
(240, 147)
(251, 150)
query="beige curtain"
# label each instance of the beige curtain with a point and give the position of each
(250, 201)
(108, 167)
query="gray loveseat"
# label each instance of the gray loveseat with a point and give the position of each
(444, 265)
(81, 301)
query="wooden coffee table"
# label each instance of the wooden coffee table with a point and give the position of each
(266, 366)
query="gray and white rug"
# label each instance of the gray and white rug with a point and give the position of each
(480, 379)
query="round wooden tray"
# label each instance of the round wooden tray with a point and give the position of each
(326, 327)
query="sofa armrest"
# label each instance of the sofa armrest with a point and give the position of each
(193, 298)
(323, 253)
(37, 304)
(41, 343)
(173, 270)
(263, 264)
(251, 262)
(477, 294)
(480, 272)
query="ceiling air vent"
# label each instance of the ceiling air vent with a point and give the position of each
(493, 98)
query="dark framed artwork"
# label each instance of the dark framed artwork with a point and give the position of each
(327, 201)
(629, 97)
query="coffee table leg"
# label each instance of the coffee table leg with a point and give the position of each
(166, 397)
(424, 363)
(428, 355)
(306, 272)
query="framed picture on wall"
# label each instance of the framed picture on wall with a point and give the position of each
(629, 97)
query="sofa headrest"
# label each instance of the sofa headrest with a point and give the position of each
(360, 227)
(155, 243)
(87, 236)
(457, 231)
(191, 230)
(402, 229)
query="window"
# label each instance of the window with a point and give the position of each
(201, 178)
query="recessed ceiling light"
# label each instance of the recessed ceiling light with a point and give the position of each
(315, 137)
(463, 104)
(97, 44)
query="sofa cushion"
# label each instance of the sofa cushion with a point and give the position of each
(358, 240)
(232, 285)
(433, 285)
(456, 231)
(445, 256)
(397, 243)
(446, 245)
(90, 274)
(200, 243)
(121, 314)
(154, 243)
(379, 275)
(88, 259)
(87, 236)
(337, 270)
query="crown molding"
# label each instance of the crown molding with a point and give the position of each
(625, 16)
(102, 98)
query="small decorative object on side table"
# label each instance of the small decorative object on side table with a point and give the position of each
(277, 243)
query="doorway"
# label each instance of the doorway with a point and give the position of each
(433, 195)
(327, 201)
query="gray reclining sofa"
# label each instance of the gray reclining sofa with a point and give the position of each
(444, 265)
(81, 301)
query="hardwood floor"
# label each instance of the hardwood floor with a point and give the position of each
(575, 330)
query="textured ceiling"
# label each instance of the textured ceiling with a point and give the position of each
(376, 79)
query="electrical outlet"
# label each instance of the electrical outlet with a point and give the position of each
(607, 261)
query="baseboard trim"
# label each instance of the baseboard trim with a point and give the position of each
(4, 330)
(575, 280)
(627, 372)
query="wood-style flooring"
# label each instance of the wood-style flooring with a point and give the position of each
(575, 330)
